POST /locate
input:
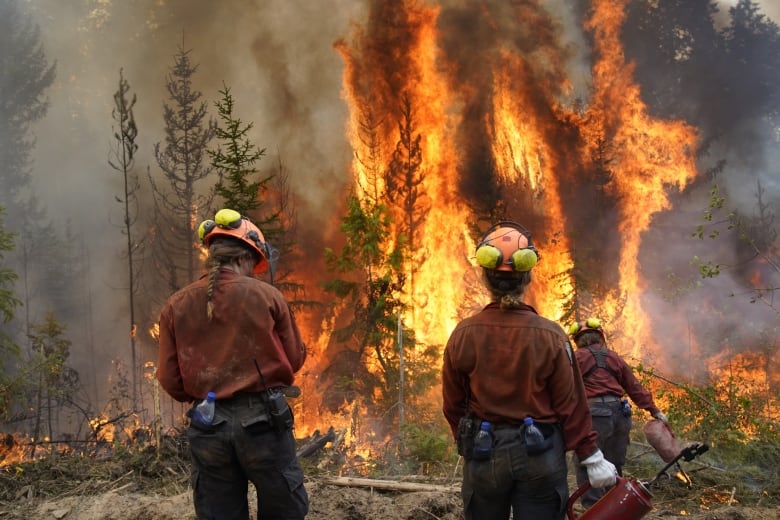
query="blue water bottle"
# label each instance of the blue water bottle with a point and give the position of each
(534, 439)
(625, 407)
(483, 442)
(204, 412)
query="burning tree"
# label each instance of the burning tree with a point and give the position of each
(405, 191)
(370, 291)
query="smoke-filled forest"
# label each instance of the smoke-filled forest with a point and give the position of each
(373, 142)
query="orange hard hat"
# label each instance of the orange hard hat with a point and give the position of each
(507, 246)
(230, 223)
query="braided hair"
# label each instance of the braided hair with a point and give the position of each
(507, 288)
(223, 251)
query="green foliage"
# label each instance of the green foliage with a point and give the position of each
(429, 444)
(757, 236)
(369, 282)
(235, 159)
(8, 303)
(50, 350)
(727, 413)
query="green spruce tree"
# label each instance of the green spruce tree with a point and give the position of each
(235, 158)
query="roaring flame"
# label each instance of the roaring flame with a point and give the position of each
(654, 155)
(444, 231)
(12, 449)
(535, 148)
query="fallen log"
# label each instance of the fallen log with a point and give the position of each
(317, 442)
(389, 484)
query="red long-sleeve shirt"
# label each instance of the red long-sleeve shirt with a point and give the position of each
(616, 380)
(513, 363)
(251, 321)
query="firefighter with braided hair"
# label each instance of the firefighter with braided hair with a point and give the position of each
(234, 335)
(607, 378)
(502, 367)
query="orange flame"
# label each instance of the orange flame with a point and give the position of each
(654, 156)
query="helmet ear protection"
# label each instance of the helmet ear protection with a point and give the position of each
(507, 246)
(230, 223)
(578, 328)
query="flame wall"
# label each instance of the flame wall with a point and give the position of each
(488, 86)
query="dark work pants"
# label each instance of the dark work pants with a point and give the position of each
(241, 446)
(614, 431)
(530, 487)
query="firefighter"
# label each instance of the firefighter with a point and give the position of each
(235, 335)
(503, 365)
(607, 378)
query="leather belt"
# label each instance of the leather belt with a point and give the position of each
(244, 399)
(604, 399)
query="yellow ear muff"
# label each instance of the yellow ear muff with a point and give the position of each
(593, 323)
(574, 328)
(524, 260)
(228, 218)
(488, 256)
(205, 228)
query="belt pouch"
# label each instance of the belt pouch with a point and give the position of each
(281, 415)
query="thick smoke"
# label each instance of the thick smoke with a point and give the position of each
(278, 58)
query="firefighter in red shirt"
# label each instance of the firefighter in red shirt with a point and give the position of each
(235, 335)
(607, 379)
(501, 366)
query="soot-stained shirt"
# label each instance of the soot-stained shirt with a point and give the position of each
(251, 323)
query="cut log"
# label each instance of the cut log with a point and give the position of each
(389, 484)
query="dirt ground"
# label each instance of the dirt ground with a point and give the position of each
(145, 485)
(328, 502)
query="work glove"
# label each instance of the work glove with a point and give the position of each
(661, 417)
(601, 472)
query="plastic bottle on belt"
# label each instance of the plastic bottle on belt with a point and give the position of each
(204, 412)
(483, 442)
(534, 439)
(625, 407)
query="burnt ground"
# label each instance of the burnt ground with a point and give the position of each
(146, 485)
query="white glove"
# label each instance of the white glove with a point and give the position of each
(601, 472)
(661, 417)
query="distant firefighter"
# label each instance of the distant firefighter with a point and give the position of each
(607, 379)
